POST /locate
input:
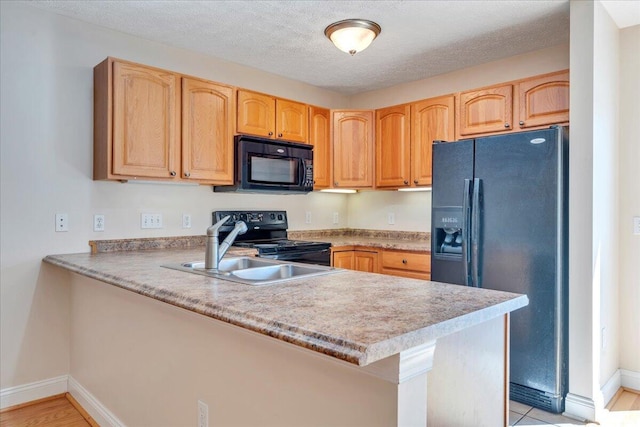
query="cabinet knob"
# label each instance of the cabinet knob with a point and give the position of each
(270, 133)
(521, 123)
(314, 181)
(404, 261)
(406, 182)
(335, 183)
(279, 135)
(507, 125)
(172, 173)
(187, 174)
(415, 181)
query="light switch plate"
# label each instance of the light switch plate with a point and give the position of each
(636, 225)
(150, 220)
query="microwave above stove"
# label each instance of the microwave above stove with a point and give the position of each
(267, 166)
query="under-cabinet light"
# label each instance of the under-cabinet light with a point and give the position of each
(415, 189)
(142, 181)
(339, 190)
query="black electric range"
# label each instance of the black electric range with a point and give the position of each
(267, 232)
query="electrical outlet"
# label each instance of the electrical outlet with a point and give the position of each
(62, 222)
(98, 222)
(636, 225)
(186, 220)
(203, 414)
(151, 221)
(391, 218)
(336, 218)
(307, 217)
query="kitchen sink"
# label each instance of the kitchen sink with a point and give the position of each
(254, 271)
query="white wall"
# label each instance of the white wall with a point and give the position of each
(46, 168)
(371, 209)
(629, 193)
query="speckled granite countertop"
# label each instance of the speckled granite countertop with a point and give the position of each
(397, 240)
(353, 316)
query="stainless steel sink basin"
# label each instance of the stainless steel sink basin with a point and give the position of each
(230, 264)
(254, 271)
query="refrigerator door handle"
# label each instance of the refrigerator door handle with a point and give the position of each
(466, 229)
(476, 232)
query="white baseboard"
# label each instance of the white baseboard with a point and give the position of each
(630, 379)
(12, 396)
(611, 387)
(579, 407)
(97, 410)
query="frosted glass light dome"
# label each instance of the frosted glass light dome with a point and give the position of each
(352, 35)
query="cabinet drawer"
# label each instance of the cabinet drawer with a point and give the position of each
(406, 261)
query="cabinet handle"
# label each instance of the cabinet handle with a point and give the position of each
(270, 133)
(507, 125)
(187, 174)
(415, 181)
(404, 261)
(172, 173)
(521, 123)
(406, 182)
(279, 135)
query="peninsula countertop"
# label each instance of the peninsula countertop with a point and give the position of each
(353, 316)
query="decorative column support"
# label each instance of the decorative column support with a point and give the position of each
(409, 371)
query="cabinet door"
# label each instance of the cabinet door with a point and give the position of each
(256, 114)
(353, 149)
(486, 110)
(291, 121)
(343, 259)
(320, 138)
(146, 108)
(393, 149)
(207, 132)
(544, 100)
(365, 261)
(431, 120)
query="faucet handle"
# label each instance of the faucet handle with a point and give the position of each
(213, 230)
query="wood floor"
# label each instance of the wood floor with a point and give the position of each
(63, 411)
(55, 411)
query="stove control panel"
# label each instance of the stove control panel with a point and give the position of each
(255, 220)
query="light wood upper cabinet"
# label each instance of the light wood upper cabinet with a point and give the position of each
(486, 110)
(207, 131)
(393, 146)
(270, 117)
(543, 100)
(320, 138)
(155, 124)
(256, 114)
(145, 120)
(292, 121)
(431, 120)
(353, 148)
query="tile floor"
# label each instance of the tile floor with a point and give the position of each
(521, 415)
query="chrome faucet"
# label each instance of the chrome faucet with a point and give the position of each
(213, 253)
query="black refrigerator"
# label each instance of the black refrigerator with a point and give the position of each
(500, 221)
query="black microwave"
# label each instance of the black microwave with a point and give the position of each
(267, 166)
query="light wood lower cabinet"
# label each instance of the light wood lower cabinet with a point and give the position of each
(352, 258)
(416, 265)
(407, 264)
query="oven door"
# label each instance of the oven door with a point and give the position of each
(318, 257)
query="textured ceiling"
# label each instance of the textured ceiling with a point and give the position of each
(419, 39)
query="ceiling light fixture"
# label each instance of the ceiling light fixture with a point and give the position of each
(352, 35)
